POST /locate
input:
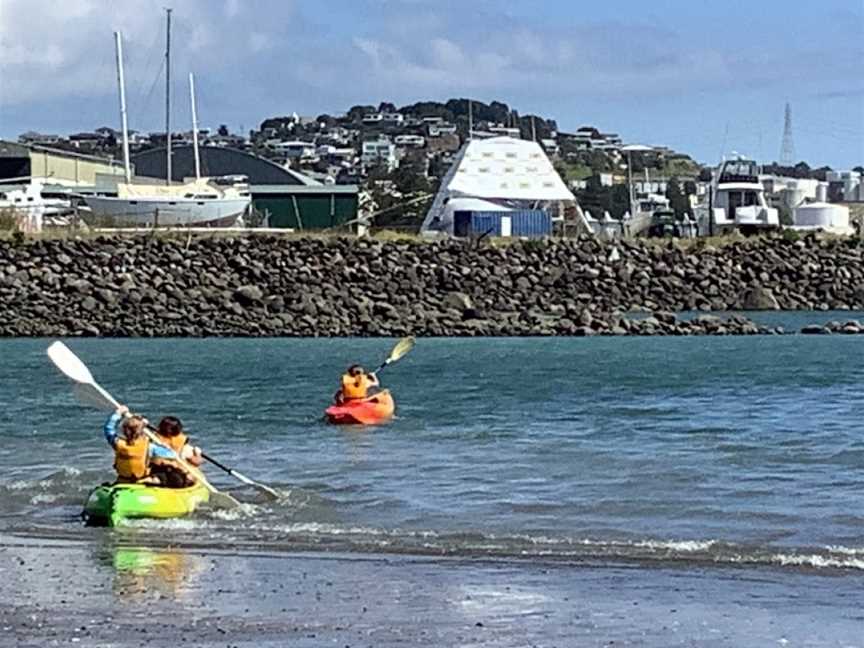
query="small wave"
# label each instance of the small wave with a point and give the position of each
(245, 510)
(62, 477)
(818, 561)
(297, 536)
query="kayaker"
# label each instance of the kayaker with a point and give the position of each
(356, 384)
(132, 450)
(171, 472)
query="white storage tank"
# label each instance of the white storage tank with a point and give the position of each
(822, 215)
(822, 192)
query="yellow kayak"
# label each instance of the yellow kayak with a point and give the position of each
(108, 505)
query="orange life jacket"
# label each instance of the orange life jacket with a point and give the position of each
(355, 387)
(132, 458)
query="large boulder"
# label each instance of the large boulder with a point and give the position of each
(249, 295)
(758, 298)
(457, 301)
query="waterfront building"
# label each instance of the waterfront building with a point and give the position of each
(493, 175)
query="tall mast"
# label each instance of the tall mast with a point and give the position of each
(168, 95)
(194, 127)
(118, 46)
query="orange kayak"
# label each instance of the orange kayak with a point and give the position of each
(378, 408)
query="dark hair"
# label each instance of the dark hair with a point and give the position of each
(356, 370)
(170, 426)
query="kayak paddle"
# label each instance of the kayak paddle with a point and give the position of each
(401, 349)
(243, 478)
(87, 393)
(92, 392)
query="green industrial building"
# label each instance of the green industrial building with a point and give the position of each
(283, 196)
(305, 207)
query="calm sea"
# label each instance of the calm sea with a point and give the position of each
(711, 451)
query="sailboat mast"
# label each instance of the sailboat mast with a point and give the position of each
(194, 127)
(168, 95)
(124, 127)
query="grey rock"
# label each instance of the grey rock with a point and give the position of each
(457, 301)
(814, 329)
(248, 295)
(758, 298)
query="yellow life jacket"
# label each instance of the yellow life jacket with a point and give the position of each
(355, 387)
(175, 442)
(132, 458)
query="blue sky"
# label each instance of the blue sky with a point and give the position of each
(706, 78)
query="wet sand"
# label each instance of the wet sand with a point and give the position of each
(62, 593)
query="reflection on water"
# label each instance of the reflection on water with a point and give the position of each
(141, 572)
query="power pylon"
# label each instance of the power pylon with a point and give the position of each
(787, 150)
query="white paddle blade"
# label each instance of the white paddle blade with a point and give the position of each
(404, 346)
(69, 363)
(87, 394)
(221, 500)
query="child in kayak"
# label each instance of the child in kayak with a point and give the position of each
(132, 448)
(171, 472)
(356, 384)
(136, 459)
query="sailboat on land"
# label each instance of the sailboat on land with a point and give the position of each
(204, 202)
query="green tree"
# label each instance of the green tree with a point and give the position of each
(677, 198)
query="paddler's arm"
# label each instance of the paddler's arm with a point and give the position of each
(113, 422)
(160, 452)
(192, 454)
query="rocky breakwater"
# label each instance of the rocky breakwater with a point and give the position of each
(265, 285)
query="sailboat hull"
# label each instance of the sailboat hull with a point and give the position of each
(155, 212)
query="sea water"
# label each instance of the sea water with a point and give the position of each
(710, 453)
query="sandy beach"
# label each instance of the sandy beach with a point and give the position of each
(62, 593)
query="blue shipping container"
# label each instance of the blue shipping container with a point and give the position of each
(525, 223)
(531, 223)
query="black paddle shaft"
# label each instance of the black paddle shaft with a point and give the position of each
(216, 463)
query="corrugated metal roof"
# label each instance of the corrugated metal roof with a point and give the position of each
(261, 189)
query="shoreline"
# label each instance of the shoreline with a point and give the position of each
(104, 594)
(268, 286)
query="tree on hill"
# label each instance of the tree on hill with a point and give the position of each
(427, 109)
(222, 130)
(356, 113)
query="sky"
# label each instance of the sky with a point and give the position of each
(706, 78)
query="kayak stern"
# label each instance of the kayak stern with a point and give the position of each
(109, 505)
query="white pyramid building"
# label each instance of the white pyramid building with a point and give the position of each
(495, 174)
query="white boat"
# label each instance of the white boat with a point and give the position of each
(29, 207)
(202, 202)
(736, 201)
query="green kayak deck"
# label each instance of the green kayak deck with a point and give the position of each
(109, 504)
